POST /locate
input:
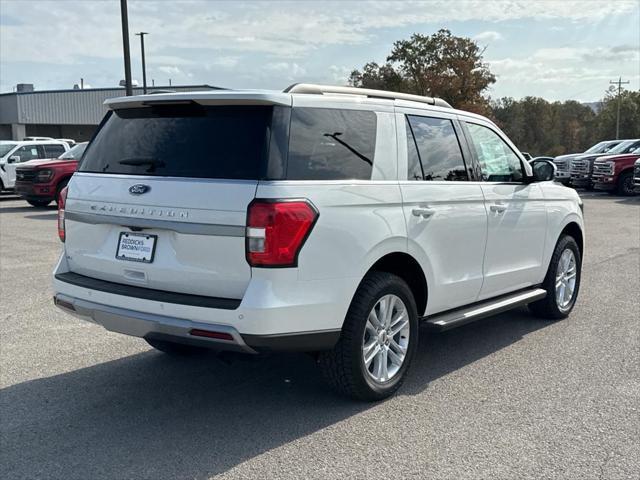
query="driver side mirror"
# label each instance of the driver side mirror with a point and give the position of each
(14, 159)
(543, 170)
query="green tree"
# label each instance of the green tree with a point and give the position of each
(439, 65)
(629, 114)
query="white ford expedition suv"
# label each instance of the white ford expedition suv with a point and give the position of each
(330, 220)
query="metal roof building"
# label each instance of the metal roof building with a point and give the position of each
(63, 113)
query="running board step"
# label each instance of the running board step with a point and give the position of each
(486, 308)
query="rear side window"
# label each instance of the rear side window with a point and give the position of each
(331, 144)
(53, 151)
(182, 141)
(437, 148)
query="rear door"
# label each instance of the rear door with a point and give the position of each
(517, 215)
(444, 211)
(174, 180)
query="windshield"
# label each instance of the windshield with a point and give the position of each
(6, 148)
(597, 148)
(75, 153)
(625, 147)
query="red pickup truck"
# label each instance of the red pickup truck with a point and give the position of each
(614, 173)
(39, 182)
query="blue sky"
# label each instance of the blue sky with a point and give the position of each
(553, 49)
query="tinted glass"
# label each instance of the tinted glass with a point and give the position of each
(438, 148)
(182, 141)
(498, 162)
(331, 144)
(26, 153)
(6, 148)
(53, 151)
(413, 160)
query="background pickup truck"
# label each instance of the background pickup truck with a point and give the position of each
(615, 173)
(40, 181)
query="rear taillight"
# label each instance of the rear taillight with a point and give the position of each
(62, 199)
(276, 231)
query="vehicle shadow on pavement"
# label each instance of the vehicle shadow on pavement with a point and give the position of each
(43, 216)
(29, 209)
(152, 416)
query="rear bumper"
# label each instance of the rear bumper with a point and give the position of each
(224, 337)
(277, 311)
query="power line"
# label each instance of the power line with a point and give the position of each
(619, 83)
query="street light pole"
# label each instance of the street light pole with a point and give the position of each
(144, 68)
(124, 17)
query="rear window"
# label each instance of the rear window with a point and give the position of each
(182, 141)
(331, 144)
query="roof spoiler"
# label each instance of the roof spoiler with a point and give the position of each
(312, 88)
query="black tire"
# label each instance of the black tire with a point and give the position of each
(343, 367)
(39, 203)
(59, 188)
(548, 307)
(175, 349)
(625, 184)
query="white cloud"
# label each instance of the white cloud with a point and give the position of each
(257, 44)
(92, 28)
(586, 71)
(170, 70)
(288, 71)
(488, 36)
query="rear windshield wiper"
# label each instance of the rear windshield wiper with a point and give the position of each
(139, 161)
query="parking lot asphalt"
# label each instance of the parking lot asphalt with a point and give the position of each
(509, 397)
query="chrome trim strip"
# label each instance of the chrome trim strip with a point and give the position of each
(180, 227)
(464, 315)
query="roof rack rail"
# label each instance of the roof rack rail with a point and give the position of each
(321, 89)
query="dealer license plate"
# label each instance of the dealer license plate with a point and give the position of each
(136, 247)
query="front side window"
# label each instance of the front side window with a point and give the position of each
(26, 153)
(331, 144)
(498, 163)
(437, 149)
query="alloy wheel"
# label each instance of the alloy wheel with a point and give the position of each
(566, 279)
(386, 338)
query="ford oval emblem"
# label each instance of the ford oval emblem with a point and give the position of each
(139, 189)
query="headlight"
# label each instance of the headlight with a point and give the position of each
(44, 176)
(612, 166)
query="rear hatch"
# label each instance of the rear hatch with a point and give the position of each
(160, 198)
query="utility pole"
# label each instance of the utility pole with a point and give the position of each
(144, 68)
(619, 83)
(124, 17)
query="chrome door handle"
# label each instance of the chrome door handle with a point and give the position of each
(498, 207)
(423, 212)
